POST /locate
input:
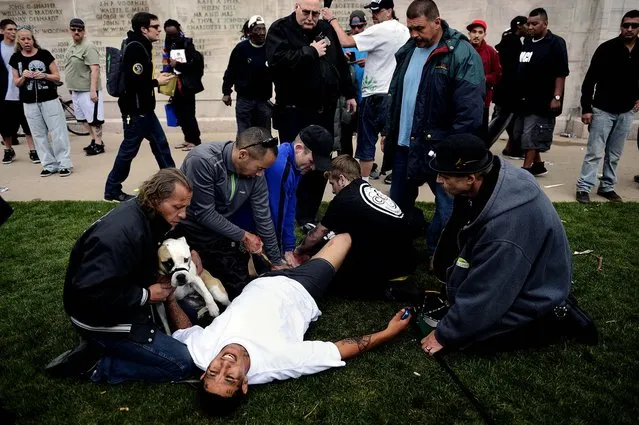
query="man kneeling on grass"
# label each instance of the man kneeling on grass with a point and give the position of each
(260, 336)
(504, 256)
(372, 219)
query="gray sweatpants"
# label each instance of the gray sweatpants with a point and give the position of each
(44, 118)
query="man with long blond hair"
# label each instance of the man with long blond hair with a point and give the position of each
(112, 284)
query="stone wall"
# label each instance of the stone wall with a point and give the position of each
(215, 26)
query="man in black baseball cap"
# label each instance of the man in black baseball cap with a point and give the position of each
(504, 254)
(311, 150)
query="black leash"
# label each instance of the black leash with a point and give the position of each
(469, 395)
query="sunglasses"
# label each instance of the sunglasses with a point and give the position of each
(359, 26)
(76, 29)
(156, 27)
(315, 13)
(628, 25)
(268, 143)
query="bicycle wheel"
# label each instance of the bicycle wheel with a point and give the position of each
(72, 124)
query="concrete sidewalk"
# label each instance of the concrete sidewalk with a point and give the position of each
(89, 174)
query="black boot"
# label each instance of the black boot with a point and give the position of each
(76, 363)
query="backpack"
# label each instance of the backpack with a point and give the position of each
(116, 85)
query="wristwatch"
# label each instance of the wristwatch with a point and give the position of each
(557, 97)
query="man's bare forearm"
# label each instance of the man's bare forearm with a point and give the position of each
(177, 317)
(95, 74)
(351, 347)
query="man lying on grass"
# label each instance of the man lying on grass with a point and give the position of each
(260, 336)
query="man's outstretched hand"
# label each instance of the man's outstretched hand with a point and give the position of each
(396, 324)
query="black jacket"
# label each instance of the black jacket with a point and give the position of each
(192, 70)
(301, 77)
(509, 49)
(615, 71)
(4, 75)
(138, 76)
(247, 71)
(110, 267)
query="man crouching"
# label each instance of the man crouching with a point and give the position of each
(112, 283)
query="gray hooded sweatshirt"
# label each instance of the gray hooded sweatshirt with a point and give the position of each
(514, 266)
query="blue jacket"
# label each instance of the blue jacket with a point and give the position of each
(514, 266)
(450, 99)
(285, 228)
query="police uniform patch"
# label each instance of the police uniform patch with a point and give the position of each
(138, 68)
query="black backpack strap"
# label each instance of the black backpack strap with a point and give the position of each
(280, 209)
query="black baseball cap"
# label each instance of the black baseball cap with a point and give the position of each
(461, 154)
(357, 17)
(375, 5)
(518, 20)
(76, 22)
(320, 142)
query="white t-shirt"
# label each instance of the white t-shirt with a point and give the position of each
(381, 42)
(13, 93)
(269, 319)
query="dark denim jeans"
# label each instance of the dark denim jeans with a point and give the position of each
(136, 129)
(163, 360)
(404, 192)
(252, 113)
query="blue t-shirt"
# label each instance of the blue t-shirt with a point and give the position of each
(359, 70)
(412, 78)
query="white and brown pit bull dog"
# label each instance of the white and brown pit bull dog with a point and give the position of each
(175, 261)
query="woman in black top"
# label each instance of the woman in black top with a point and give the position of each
(36, 74)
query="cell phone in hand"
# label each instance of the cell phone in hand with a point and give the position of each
(351, 57)
(327, 3)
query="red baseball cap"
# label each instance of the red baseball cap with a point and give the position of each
(477, 22)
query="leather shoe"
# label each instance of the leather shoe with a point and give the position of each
(78, 362)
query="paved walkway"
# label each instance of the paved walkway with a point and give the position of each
(87, 181)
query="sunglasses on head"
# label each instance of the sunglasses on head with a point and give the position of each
(268, 143)
(307, 12)
(628, 25)
(358, 26)
(76, 29)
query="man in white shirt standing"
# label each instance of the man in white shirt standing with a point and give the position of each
(260, 336)
(381, 41)
(82, 77)
(11, 109)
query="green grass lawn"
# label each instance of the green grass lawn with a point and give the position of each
(395, 384)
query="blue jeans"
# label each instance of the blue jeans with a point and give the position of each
(404, 192)
(252, 113)
(372, 117)
(136, 129)
(163, 360)
(607, 137)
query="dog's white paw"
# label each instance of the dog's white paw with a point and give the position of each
(212, 309)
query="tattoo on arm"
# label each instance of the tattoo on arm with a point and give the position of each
(363, 342)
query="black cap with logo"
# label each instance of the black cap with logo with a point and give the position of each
(320, 142)
(375, 5)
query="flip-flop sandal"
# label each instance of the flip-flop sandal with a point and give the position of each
(188, 147)
(181, 146)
